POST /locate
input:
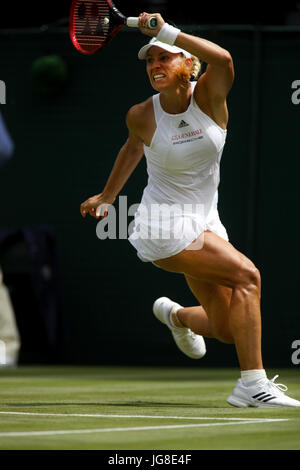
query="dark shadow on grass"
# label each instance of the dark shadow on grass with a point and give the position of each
(142, 404)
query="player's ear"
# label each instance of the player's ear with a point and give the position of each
(188, 61)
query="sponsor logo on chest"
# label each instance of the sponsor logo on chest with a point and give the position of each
(187, 136)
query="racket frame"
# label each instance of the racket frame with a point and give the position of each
(118, 20)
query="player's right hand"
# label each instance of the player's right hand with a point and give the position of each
(144, 19)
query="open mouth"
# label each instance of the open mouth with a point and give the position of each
(158, 77)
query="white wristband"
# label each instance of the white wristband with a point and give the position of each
(168, 34)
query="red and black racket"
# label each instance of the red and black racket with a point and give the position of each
(93, 23)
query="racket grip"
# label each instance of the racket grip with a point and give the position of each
(133, 22)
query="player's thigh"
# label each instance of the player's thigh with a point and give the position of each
(217, 262)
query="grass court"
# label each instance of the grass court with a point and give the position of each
(138, 408)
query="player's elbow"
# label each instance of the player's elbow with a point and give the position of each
(223, 59)
(226, 59)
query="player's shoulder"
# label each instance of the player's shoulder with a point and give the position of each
(139, 113)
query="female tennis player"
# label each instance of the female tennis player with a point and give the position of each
(182, 132)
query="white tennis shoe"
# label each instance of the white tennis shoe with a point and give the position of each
(189, 343)
(264, 394)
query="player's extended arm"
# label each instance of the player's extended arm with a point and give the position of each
(128, 158)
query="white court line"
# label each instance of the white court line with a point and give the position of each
(85, 415)
(127, 429)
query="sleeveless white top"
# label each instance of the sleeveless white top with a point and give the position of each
(180, 200)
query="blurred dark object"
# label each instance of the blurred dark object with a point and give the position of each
(293, 16)
(30, 13)
(6, 144)
(49, 75)
(30, 270)
(155, 6)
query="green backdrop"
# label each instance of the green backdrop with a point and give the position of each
(66, 146)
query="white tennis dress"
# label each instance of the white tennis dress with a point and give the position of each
(180, 200)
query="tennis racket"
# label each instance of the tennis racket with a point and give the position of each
(93, 23)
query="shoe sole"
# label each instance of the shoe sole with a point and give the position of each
(232, 400)
(239, 403)
(156, 306)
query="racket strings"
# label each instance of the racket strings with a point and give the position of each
(91, 21)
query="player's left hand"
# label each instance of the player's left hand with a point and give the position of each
(144, 21)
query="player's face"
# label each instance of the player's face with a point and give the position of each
(161, 67)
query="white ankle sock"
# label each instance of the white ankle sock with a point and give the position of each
(174, 310)
(249, 377)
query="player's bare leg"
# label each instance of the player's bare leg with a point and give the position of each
(233, 313)
(218, 262)
(215, 303)
(194, 318)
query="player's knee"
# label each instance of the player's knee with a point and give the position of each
(250, 279)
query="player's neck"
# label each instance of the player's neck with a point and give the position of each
(176, 100)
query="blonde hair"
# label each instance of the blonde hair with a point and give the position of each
(196, 68)
(185, 73)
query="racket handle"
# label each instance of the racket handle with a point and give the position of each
(133, 22)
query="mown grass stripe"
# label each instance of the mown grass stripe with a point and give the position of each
(97, 415)
(126, 429)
